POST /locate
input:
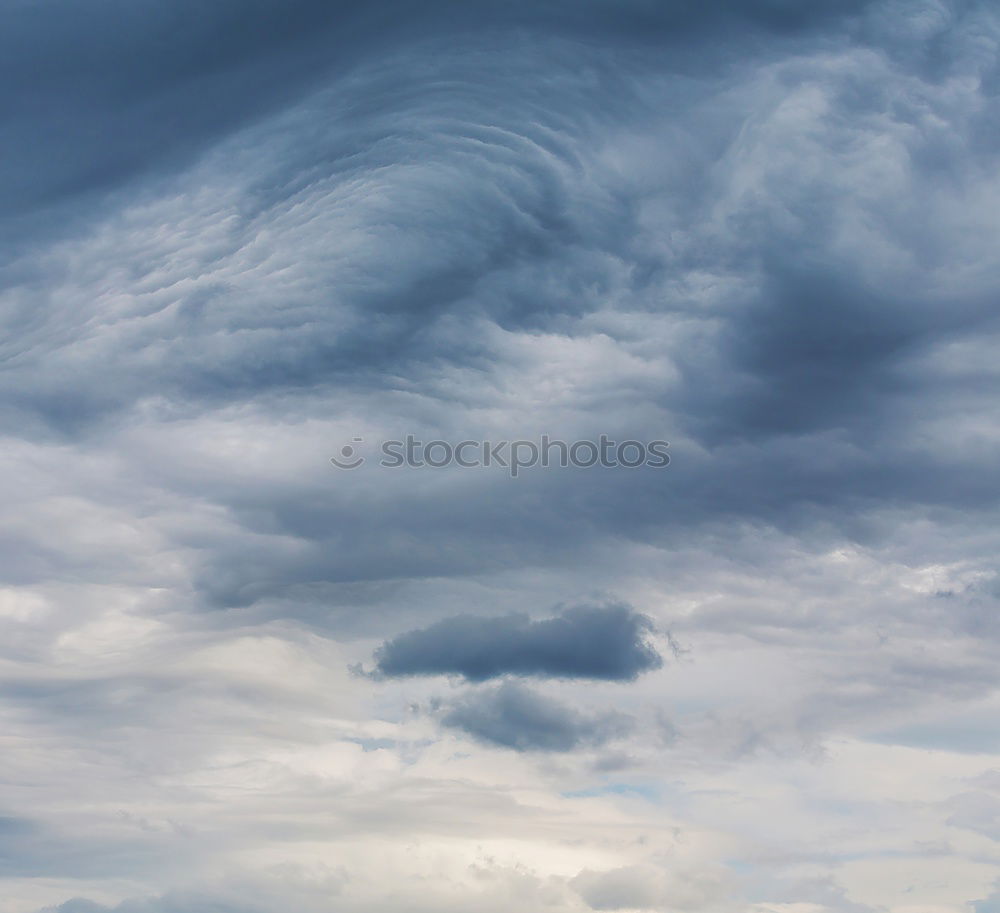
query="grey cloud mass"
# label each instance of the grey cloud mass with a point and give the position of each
(235, 236)
(604, 642)
(513, 716)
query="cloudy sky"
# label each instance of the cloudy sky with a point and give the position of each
(240, 235)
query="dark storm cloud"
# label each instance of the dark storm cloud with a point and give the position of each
(822, 350)
(472, 201)
(590, 643)
(100, 95)
(234, 231)
(513, 716)
(820, 487)
(802, 395)
(94, 94)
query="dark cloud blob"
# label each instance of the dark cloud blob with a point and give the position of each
(607, 642)
(516, 717)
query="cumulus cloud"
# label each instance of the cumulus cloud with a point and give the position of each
(513, 716)
(603, 642)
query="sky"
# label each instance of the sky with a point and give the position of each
(241, 240)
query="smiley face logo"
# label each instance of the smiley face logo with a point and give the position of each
(348, 457)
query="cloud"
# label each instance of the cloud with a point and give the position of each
(77, 905)
(142, 93)
(171, 903)
(603, 642)
(633, 888)
(237, 235)
(512, 716)
(647, 887)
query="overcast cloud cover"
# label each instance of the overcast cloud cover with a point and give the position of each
(237, 235)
